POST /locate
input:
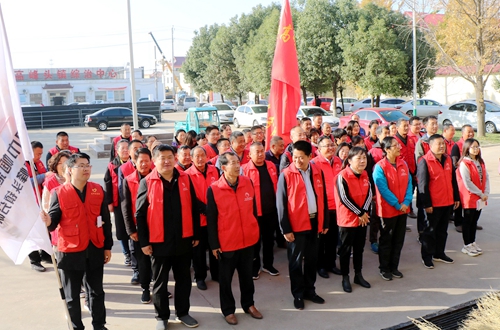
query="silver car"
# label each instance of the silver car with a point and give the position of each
(465, 112)
(425, 107)
(226, 113)
(310, 110)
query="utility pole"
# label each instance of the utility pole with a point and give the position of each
(132, 69)
(173, 67)
(156, 78)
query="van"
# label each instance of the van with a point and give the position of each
(190, 102)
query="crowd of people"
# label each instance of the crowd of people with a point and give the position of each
(216, 201)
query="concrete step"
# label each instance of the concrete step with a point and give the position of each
(97, 152)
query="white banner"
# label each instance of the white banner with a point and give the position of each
(21, 229)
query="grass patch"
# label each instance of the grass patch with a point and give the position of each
(489, 139)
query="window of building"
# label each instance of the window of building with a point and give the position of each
(36, 98)
(119, 96)
(100, 95)
(79, 96)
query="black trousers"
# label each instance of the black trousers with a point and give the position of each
(459, 218)
(352, 238)
(266, 239)
(240, 260)
(72, 284)
(302, 263)
(200, 258)
(134, 263)
(181, 267)
(469, 224)
(374, 224)
(280, 239)
(435, 233)
(143, 265)
(327, 245)
(392, 238)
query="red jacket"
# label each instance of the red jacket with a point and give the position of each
(377, 154)
(55, 150)
(127, 168)
(201, 183)
(358, 191)
(408, 153)
(133, 185)
(237, 226)
(467, 198)
(369, 142)
(414, 137)
(211, 153)
(114, 182)
(397, 182)
(250, 171)
(460, 144)
(52, 183)
(155, 216)
(330, 172)
(440, 180)
(298, 211)
(78, 223)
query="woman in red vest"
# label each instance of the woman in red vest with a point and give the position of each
(393, 195)
(474, 188)
(353, 197)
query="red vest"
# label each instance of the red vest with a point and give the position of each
(250, 171)
(52, 183)
(358, 191)
(377, 154)
(245, 157)
(460, 144)
(449, 145)
(116, 140)
(155, 216)
(201, 184)
(114, 182)
(426, 147)
(127, 168)
(467, 198)
(369, 143)
(237, 226)
(397, 182)
(298, 211)
(39, 169)
(55, 150)
(330, 173)
(408, 153)
(133, 185)
(414, 137)
(78, 223)
(440, 184)
(210, 151)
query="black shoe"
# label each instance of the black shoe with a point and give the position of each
(315, 299)
(412, 215)
(146, 296)
(271, 271)
(298, 303)
(478, 227)
(323, 273)
(335, 270)
(255, 275)
(201, 285)
(47, 259)
(346, 284)
(397, 274)
(459, 229)
(38, 267)
(428, 264)
(169, 295)
(444, 258)
(387, 276)
(135, 278)
(188, 321)
(358, 279)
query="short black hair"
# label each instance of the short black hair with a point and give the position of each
(223, 158)
(426, 119)
(254, 128)
(317, 114)
(219, 142)
(435, 137)
(235, 135)
(413, 118)
(339, 133)
(61, 134)
(143, 151)
(200, 136)
(373, 122)
(210, 128)
(162, 147)
(256, 144)
(303, 146)
(275, 139)
(357, 139)
(245, 131)
(74, 157)
(314, 131)
(36, 144)
(134, 141)
(323, 138)
(400, 120)
(122, 141)
(447, 126)
(304, 119)
(183, 147)
(137, 131)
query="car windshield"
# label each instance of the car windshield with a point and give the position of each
(492, 107)
(260, 109)
(221, 106)
(392, 115)
(207, 118)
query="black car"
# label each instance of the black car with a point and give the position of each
(115, 117)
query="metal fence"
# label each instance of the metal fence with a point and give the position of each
(74, 115)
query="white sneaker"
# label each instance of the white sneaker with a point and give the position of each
(477, 248)
(469, 250)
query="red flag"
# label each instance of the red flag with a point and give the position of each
(284, 98)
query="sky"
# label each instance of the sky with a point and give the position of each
(94, 33)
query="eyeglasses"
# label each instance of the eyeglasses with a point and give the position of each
(396, 146)
(83, 166)
(258, 133)
(328, 146)
(475, 148)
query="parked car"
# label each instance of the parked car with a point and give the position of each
(190, 102)
(309, 111)
(425, 107)
(115, 117)
(338, 106)
(261, 102)
(231, 104)
(391, 103)
(364, 103)
(225, 112)
(168, 105)
(144, 99)
(465, 112)
(384, 103)
(325, 102)
(383, 115)
(198, 119)
(250, 115)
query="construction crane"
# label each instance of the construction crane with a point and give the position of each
(164, 61)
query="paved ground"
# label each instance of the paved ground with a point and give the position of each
(31, 300)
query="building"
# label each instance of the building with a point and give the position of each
(184, 86)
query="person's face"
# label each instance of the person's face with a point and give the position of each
(355, 129)
(82, 170)
(239, 144)
(63, 142)
(257, 155)
(373, 130)
(358, 162)
(184, 157)
(232, 169)
(361, 144)
(133, 148)
(474, 149)
(202, 142)
(306, 126)
(431, 127)
(223, 146)
(199, 158)
(298, 134)
(60, 166)
(143, 164)
(181, 137)
(394, 150)
(416, 126)
(327, 129)
(403, 128)
(123, 151)
(150, 141)
(449, 133)
(300, 159)
(355, 117)
(393, 130)
(248, 137)
(37, 154)
(314, 138)
(258, 135)
(327, 148)
(278, 148)
(467, 133)
(136, 136)
(343, 152)
(213, 136)
(125, 131)
(164, 162)
(383, 135)
(437, 146)
(318, 120)
(227, 132)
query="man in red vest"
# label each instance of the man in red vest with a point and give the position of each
(257, 134)
(203, 175)
(276, 149)
(233, 231)
(183, 158)
(296, 134)
(448, 134)
(438, 190)
(125, 134)
(213, 135)
(237, 141)
(415, 132)
(301, 201)
(168, 222)
(80, 212)
(130, 187)
(62, 143)
(264, 179)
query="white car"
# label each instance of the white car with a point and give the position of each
(425, 107)
(310, 110)
(347, 103)
(361, 104)
(367, 103)
(465, 112)
(168, 105)
(190, 102)
(226, 113)
(250, 115)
